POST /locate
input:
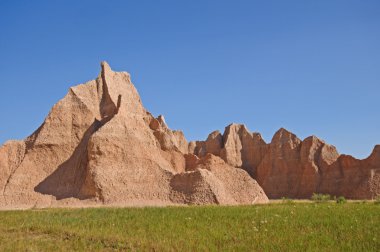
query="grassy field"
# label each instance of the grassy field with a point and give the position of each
(273, 227)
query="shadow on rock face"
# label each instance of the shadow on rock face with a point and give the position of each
(69, 178)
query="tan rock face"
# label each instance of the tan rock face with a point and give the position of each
(289, 167)
(242, 148)
(12, 154)
(359, 179)
(293, 168)
(314, 166)
(281, 169)
(98, 145)
(214, 143)
(222, 183)
(237, 146)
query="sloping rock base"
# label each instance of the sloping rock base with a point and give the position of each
(99, 146)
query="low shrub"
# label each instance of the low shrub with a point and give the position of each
(287, 200)
(377, 200)
(320, 197)
(341, 200)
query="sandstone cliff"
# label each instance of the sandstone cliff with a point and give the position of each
(98, 145)
(290, 167)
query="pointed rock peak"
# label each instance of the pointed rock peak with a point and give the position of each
(105, 67)
(244, 129)
(234, 126)
(258, 136)
(236, 131)
(106, 70)
(214, 134)
(228, 130)
(375, 156)
(283, 135)
(313, 139)
(162, 121)
(376, 149)
(108, 106)
(283, 132)
(376, 152)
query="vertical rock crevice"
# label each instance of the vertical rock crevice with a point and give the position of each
(107, 106)
(73, 178)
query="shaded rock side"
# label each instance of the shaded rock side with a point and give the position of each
(353, 178)
(89, 146)
(293, 168)
(98, 145)
(209, 180)
(290, 167)
(237, 146)
(296, 169)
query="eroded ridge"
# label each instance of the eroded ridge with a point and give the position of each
(99, 146)
(291, 167)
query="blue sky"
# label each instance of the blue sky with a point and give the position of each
(312, 67)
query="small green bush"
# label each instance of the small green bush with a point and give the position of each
(320, 197)
(377, 200)
(341, 200)
(287, 200)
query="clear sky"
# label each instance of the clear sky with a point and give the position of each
(312, 67)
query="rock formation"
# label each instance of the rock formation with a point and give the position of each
(211, 173)
(98, 145)
(290, 167)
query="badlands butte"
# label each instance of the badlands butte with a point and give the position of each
(99, 146)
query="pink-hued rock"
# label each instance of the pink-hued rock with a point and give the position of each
(242, 148)
(223, 183)
(97, 146)
(290, 167)
(353, 178)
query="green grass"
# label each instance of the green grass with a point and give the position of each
(274, 227)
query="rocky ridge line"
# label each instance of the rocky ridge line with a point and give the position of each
(99, 146)
(290, 167)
